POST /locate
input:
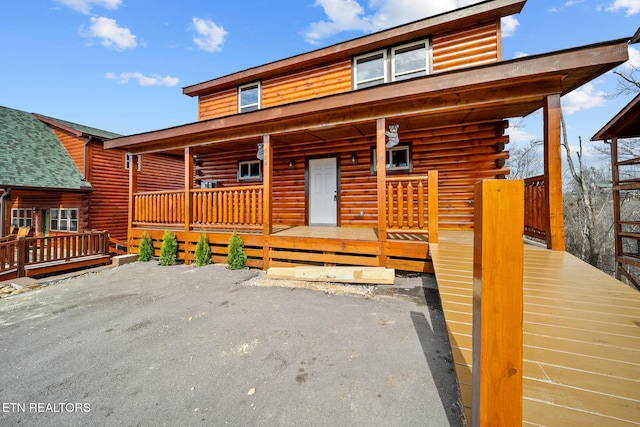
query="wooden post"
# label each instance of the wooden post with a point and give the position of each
(133, 187)
(189, 168)
(432, 186)
(381, 167)
(497, 303)
(553, 173)
(267, 183)
(22, 258)
(617, 228)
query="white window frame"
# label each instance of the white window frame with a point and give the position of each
(427, 62)
(64, 216)
(250, 107)
(248, 164)
(388, 157)
(127, 161)
(22, 217)
(359, 84)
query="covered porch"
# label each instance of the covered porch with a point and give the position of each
(450, 124)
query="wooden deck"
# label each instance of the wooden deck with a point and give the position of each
(581, 335)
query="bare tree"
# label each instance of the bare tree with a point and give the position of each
(525, 161)
(585, 187)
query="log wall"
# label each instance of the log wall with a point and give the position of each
(462, 155)
(460, 49)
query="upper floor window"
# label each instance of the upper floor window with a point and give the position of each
(370, 69)
(249, 97)
(398, 63)
(251, 169)
(410, 61)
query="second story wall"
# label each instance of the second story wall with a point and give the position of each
(74, 146)
(462, 48)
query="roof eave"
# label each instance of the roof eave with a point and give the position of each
(480, 12)
(582, 65)
(628, 118)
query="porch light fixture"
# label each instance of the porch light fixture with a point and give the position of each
(260, 154)
(354, 159)
(292, 165)
(392, 133)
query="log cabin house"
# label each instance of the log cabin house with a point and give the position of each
(57, 178)
(358, 153)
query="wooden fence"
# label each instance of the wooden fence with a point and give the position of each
(32, 256)
(535, 207)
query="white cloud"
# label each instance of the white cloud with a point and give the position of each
(509, 25)
(634, 58)
(632, 6)
(143, 80)
(350, 15)
(110, 33)
(209, 36)
(520, 54)
(84, 6)
(584, 98)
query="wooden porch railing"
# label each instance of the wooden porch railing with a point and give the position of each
(412, 204)
(535, 207)
(159, 207)
(228, 207)
(216, 207)
(28, 256)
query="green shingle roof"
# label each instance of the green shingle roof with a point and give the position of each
(87, 129)
(32, 156)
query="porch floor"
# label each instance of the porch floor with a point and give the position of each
(581, 335)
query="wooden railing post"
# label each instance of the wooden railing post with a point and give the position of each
(22, 256)
(133, 187)
(498, 303)
(432, 185)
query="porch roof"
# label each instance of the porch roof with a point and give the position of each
(513, 88)
(626, 124)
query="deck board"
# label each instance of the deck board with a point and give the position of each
(581, 334)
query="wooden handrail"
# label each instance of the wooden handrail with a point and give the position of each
(24, 252)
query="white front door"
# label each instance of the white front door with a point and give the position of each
(323, 192)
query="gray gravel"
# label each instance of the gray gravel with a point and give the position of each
(147, 345)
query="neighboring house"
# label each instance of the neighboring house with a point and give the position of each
(55, 176)
(349, 137)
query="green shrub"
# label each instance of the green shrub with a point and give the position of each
(145, 250)
(169, 249)
(203, 252)
(236, 257)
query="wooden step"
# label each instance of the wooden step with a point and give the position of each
(362, 275)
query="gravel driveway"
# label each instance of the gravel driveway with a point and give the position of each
(147, 345)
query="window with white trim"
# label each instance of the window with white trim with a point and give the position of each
(21, 217)
(410, 61)
(250, 169)
(397, 158)
(64, 219)
(370, 69)
(127, 161)
(249, 97)
(397, 63)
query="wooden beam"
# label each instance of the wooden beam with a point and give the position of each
(133, 187)
(553, 173)
(381, 166)
(617, 227)
(267, 181)
(498, 260)
(189, 167)
(432, 184)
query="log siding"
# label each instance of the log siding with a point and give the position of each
(462, 48)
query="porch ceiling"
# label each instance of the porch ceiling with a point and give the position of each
(506, 89)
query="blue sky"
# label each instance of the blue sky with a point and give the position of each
(120, 65)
